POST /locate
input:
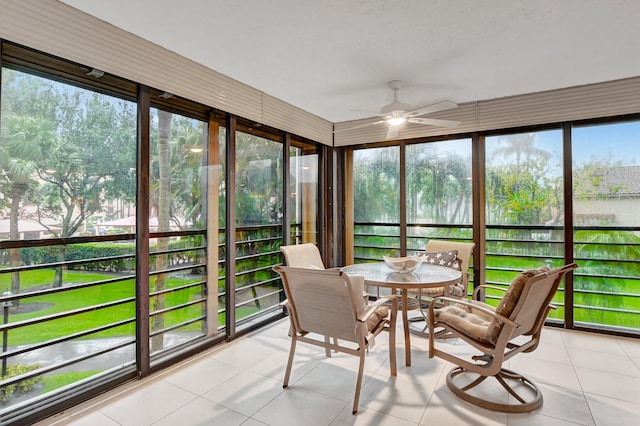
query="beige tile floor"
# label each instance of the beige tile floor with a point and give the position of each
(586, 379)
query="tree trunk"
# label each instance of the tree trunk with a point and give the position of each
(18, 191)
(164, 211)
(456, 209)
(57, 280)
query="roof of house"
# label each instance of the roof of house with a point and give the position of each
(620, 181)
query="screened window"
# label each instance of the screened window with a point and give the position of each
(524, 206)
(259, 224)
(67, 191)
(376, 200)
(303, 193)
(177, 187)
(606, 201)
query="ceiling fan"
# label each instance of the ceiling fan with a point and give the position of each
(397, 113)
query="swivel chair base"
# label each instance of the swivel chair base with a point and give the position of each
(521, 405)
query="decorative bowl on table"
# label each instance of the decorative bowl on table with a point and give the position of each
(402, 264)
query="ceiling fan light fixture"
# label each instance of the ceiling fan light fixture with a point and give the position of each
(396, 121)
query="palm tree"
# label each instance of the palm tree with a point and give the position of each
(521, 191)
(164, 218)
(522, 145)
(186, 196)
(23, 142)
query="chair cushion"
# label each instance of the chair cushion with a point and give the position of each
(479, 326)
(465, 322)
(510, 300)
(455, 290)
(478, 312)
(375, 318)
(447, 258)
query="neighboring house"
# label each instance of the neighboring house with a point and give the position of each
(28, 229)
(613, 200)
(128, 224)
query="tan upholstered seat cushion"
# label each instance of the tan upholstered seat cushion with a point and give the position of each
(375, 318)
(465, 322)
(455, 290)
(478, 311)
(510, 299)
(478, 325)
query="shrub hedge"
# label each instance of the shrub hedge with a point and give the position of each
(52, 254)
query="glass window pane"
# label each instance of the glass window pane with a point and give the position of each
(524, 176)
(259, 178)
(177, 185)
(439, 182)
(376, 195)
(606, 201)
(303, 195)
(67, 168)
(524, 206)
(67, 160)
(376, 181)
(438, 193)
(219, 184)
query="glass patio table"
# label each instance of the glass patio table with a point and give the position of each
(425, 276)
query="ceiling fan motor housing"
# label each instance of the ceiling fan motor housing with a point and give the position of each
(395, 109)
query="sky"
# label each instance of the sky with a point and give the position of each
(618, 142)
(621, 141)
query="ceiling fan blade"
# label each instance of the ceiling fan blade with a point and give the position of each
(440, 106)
(360, 126)
(393, 131)
(434, 122)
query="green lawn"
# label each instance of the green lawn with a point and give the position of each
(59, 380)
(75, 299)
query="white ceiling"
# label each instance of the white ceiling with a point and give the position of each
(333, 57)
